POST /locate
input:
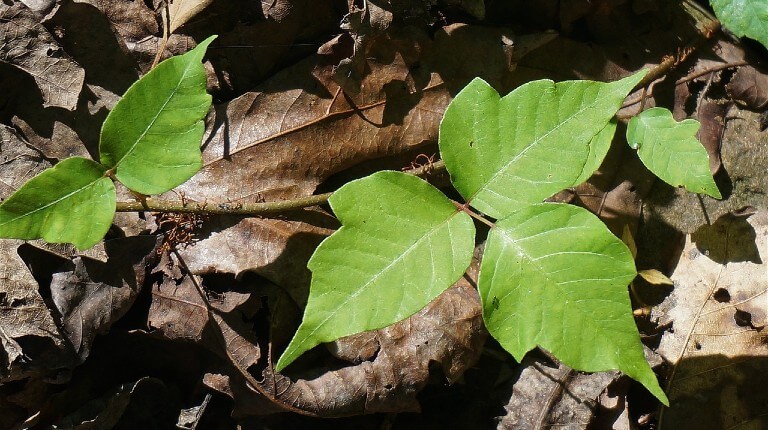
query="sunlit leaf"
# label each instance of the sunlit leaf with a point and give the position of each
(504, 152)
(744, 17)
(553, 275)
(71, 202)
(152, 136)
(671, 151)
(402, 243)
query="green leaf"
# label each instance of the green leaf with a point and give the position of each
(152, 136)
(744, 17)
(505, 152)
(71, 202)
(402, 243)
(671, 151)
(598, 148)
(553, 275)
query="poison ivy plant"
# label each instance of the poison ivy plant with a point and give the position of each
(550, 273)
(660, 140)
(492, 145)
(151, 139)
(744, 17)
(71, 202)
(150, 142)
(402, 243)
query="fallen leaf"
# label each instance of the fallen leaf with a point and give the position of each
(749, 87)
(553, 396)
(179, 313)
(26, 44)
(181, 11)
(92, 295)
(31, 341)
(716, 348)
(447, 334)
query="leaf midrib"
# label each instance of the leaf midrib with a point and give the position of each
(55, 202)
(378, 275)
(538, 140)
(521, 252)
(152, 122)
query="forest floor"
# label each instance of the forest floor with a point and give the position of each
(309, 95)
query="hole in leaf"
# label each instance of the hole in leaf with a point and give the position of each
(722, 295)
(743, 319)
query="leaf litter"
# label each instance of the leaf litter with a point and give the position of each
(292, 135)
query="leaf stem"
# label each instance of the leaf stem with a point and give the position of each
(464, 207)
(250, 209)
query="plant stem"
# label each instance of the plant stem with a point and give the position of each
(252, 209)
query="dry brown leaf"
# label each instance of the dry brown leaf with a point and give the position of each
(31, 341)
(92, 295)
(26, 44)
(178, 312)
(181, 11)
(749, 87)
(717, 346)
(136, 26)
(553, 396)
(448, 333)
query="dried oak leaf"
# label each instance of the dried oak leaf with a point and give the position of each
(26, 44)
(716, 348)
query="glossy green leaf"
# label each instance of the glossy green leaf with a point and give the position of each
(505, 152)
(553, 275)
(671, 151)
(152, 136)
(744, 17)
(71, 202)
(402, 243)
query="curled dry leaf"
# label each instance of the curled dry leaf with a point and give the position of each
(26, 44)
(749, 87)
(447, 333)
(135, 24)
(178, 312)
(91, 295)
(717, 310)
